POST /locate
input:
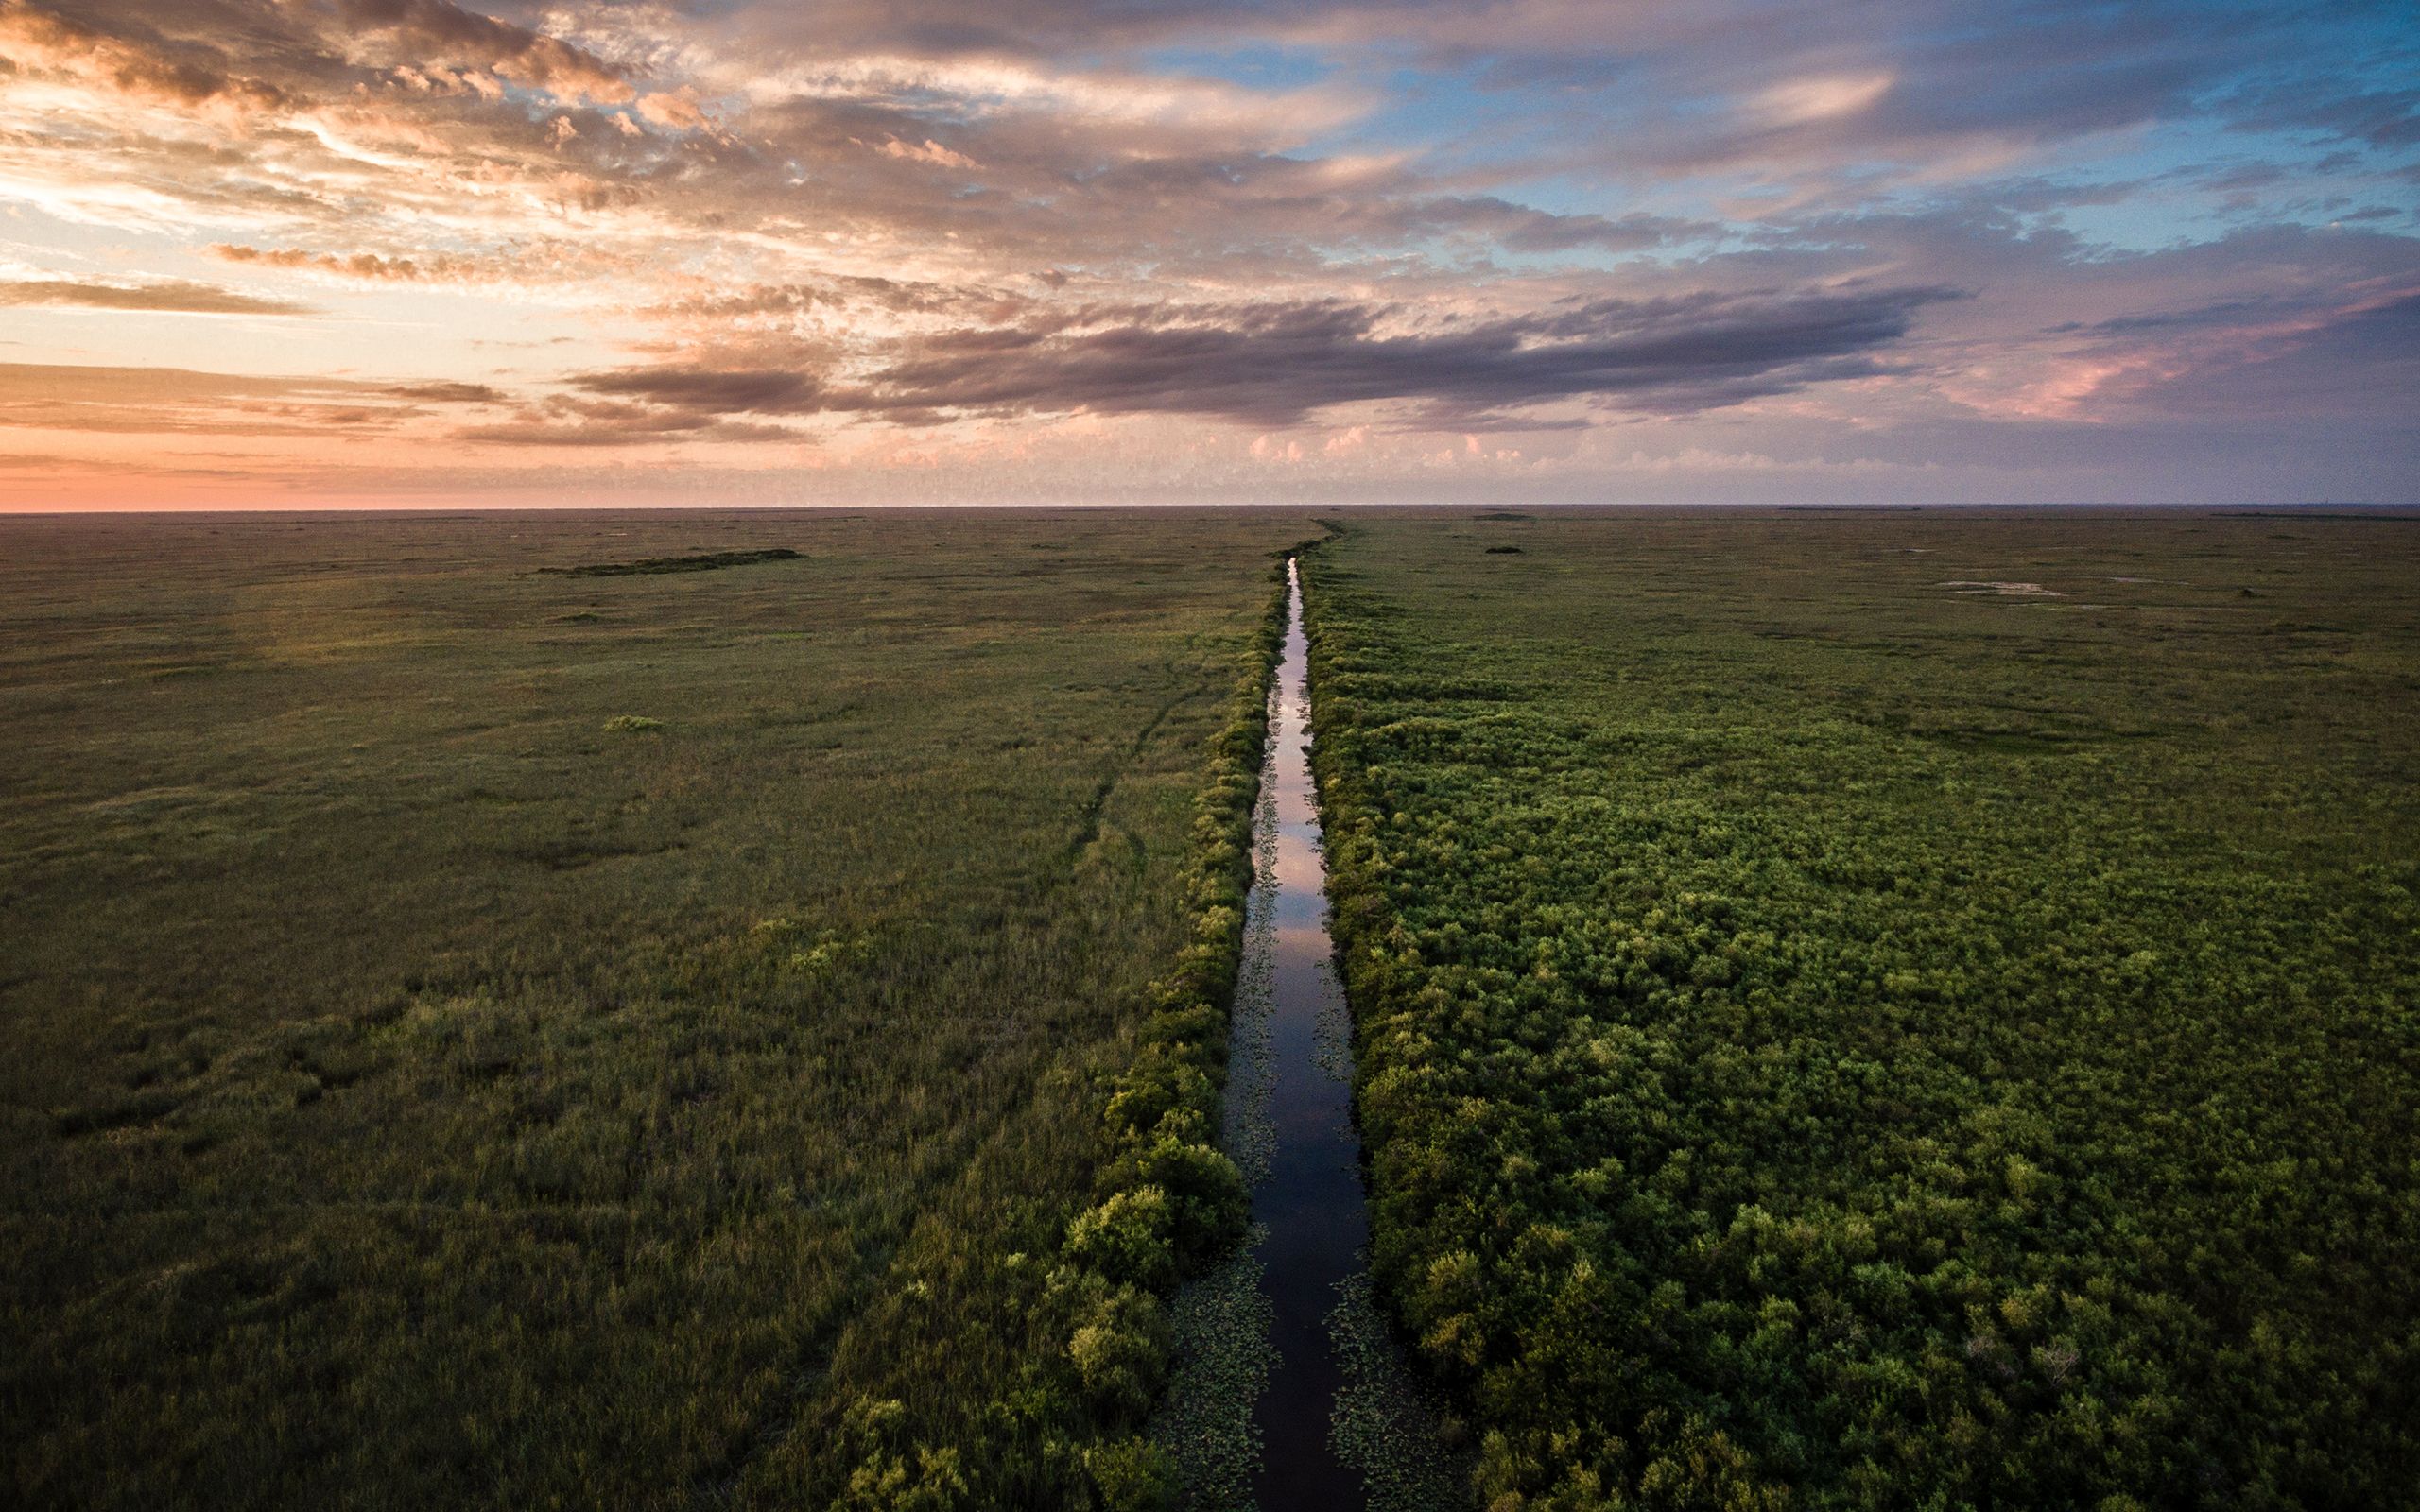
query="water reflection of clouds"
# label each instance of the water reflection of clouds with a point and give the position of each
(1302, 943)
(1299, 866)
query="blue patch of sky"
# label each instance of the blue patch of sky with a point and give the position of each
(2198, 180)
(1480, 128)
(1255, 65)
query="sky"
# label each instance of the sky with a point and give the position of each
(311, 253)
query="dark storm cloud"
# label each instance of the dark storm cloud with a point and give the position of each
(1277, 363)
(719, 391)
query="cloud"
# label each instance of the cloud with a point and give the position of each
(2388, 120)
(1800, 100)
(46, 43)
(2353, 353)
(580, 433)
(1719, 223)
(1276, 364)
(694, 414)
(449, 393)
(419, 32)
(842, 292)
(164, 400)
(929, 151)
(169, 296)
(1522, 229)
(355, 264)
(710, 390)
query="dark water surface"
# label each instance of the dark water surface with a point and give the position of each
(1309, 1204)
(1289, 1390)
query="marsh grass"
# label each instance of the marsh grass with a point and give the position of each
(1206, 1421)
(421, 1092)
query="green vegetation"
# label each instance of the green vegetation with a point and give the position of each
(1386, 1419)
(421, 1091)
(1169, 1206)
(699, 562)
(1223, 1353)
(1895, 1011)
(1218, 1368)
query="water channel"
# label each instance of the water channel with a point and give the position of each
(1308, 1206)
(1290, 1392)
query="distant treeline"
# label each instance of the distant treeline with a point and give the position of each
(648, 566)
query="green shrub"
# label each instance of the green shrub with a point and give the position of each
(892, 1474)
(1131, 1239)
(1130, 1475)
(1121, 1349)
(927, 1481)
(1208, 1204)
(1824, 1042)
(1159, 1085)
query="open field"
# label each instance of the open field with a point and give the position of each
(478, 1036)
(1888, 1009)
(1853, 1009)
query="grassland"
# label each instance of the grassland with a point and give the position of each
(1890, 1010)
(483, 1036)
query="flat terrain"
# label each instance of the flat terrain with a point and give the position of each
(478, 1035)
(1891, 1009)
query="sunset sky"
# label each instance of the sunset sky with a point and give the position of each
(310, 253)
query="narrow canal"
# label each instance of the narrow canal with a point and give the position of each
(1308, 1206)
(1289, 1393)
